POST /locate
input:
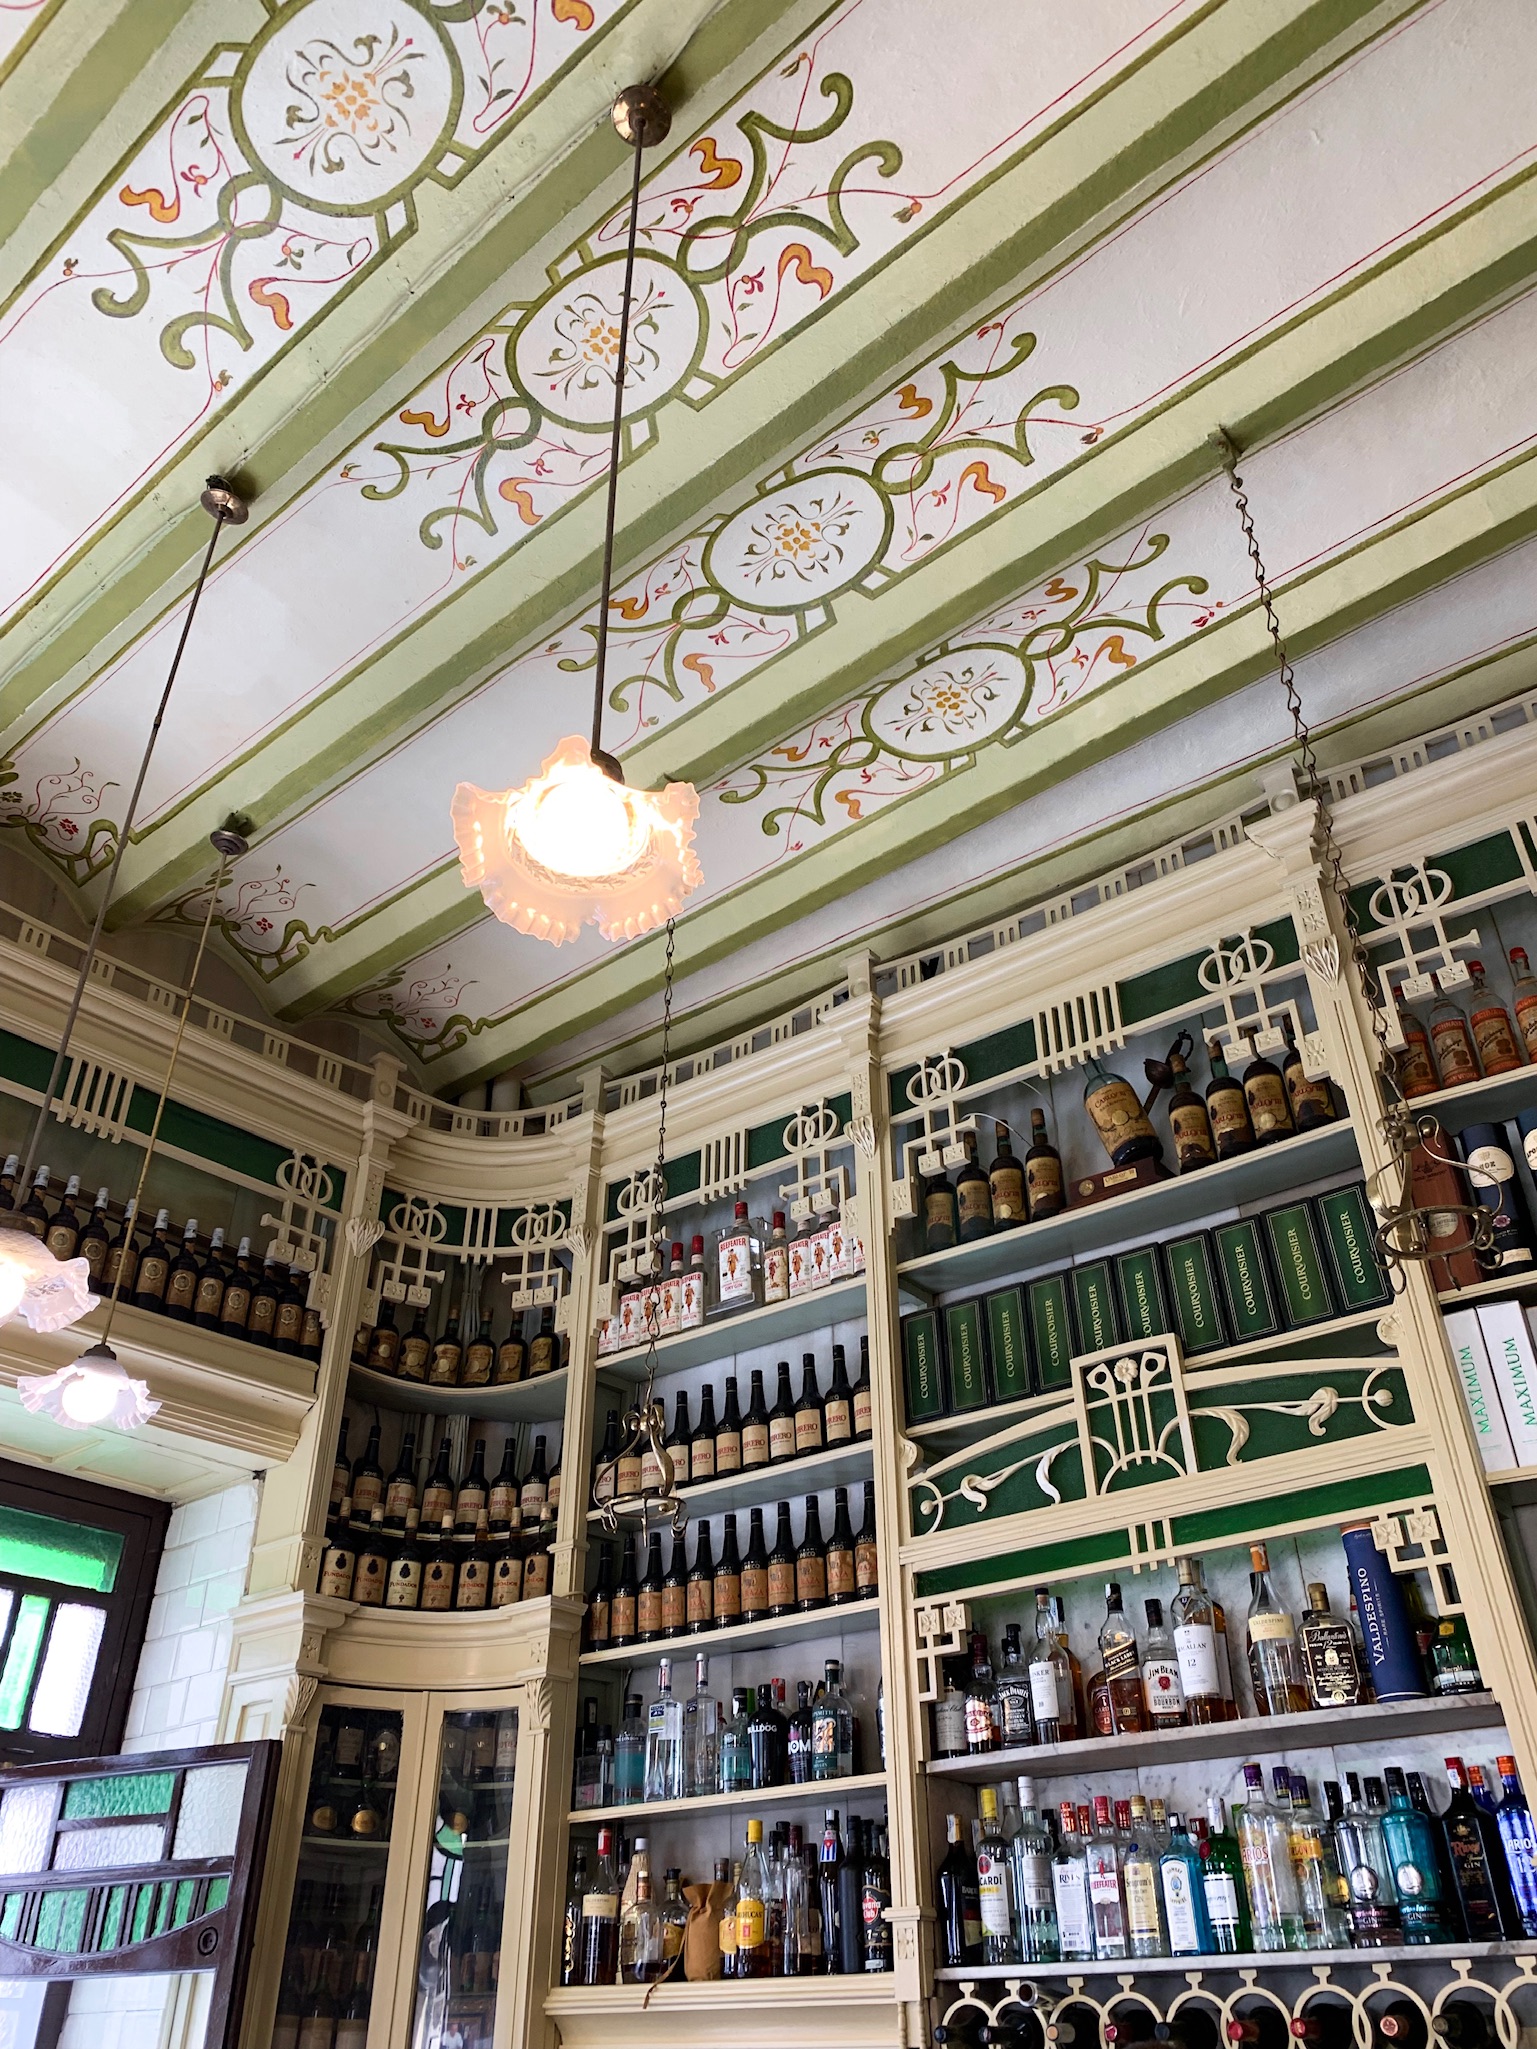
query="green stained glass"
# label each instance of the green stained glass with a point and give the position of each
(38, 1547)
(61, 1920)
(181, 1913)
(10, 1912)
(112, 1918)
(218, 1893)
(21, 1658)
(123, 1793)
(143, 1910)
(167, 1891)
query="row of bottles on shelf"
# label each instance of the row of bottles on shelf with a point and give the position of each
(753, 1264)
(326, 1988)
(1451, 1045)
(1234, 1116)
(710, 1592)
(477, 1542)
(353, 1775)
(796, 1427)
(466, 1353)
(194, 1283)
(1126, 1879)
(786, 1910)
(1180, 1673)
(1257, 2019)
(690, 1749)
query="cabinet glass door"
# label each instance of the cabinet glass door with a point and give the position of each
(333, 1929)
(459, 1961)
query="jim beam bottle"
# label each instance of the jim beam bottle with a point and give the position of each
(1494, 1036)
(1044, 1194)
(1194, 1145)
(1006, 1181)
(1265, 1093)
(1115, 1109)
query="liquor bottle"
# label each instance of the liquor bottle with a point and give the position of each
(209, 1286)
(415, 1351)
(776, 1260)
(1373, 1906)
(1413, 1852)
(623, 1617)
(1006, 1183)
(1477, 1859)
(630, 1754)
(1323, 1886)
(1264, 1842)
(288, 1324)
(768, 1736)
(1044, 1192)
(339, 1558)
(511, 1355)
(403, 1589)
(1121, 1664)
(472, 1581)
(950, 1714)
(1275, 1662)
(838, 1408)
(571, 1924)
(960, 1906)
(1140, 1881)
(738, 1264)
(781, 1419)
(600, 1918)
(695, 1459)
(1222, 1884)
(973, 1195)
(544, 1354)
(982, 1719)
(938, 1210)
(120, 1268)
(756, 1426)
(832, 1726)
(675, 1588)
(1331, 1667)
(372, 1571)
(994, 1901)
(699, 1588)
(1016, 1723)
(62, 1236)
(1265, 1093)
(798, 1759)
(1228, 1108)
(1195, 1648)
(1189, 1124)
(810, 1561)
(236, 1290)
(1461, 2024)
(755, 1571)
(842, 1586)
(1451, 1041)
(753, 1949)
(180, 1291)
(1163, 1702)
(1070, 1886)
(728, 1438)
(1034, 1897)
(867, 1564)
(1183, 1895)
(701, 1735)
(1115, 1109)
(1052, 1700)
(400, 1487)
(726, 1587)
(502, 1497)
(1492, 1177)
(95, 1238)
(864, 1412)
(781, 1566)
(447, 1354)
(736, 1742)
(438, 1494)
(648, 1603)
(1414, 1063)
(1499, 1046)
(367, 1488)
(809, 1437)
(1107, 1898)
(875, 1901)
(1310, 1096)
(34, 1211)
(154, 1261)
(473, 1497)
(1524, 994)
(664, 1740)
(1519, 1843)
(479, 1363)
(440, 1564)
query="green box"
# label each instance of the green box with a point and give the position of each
(1348, 1233)
(1194, 1295)
(1143, 1297)
(1248, 1287)
(923, 1365)
(1099, 1324)
(1299, 1263)
(1008, 1344)
(1051, 1331)
(966, 1351)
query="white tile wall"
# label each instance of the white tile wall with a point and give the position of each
(180, 1680)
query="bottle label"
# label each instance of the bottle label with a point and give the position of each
(840, 1574)
(237, 1307)
(1195, 1645)
(1271, 1628)
(781, 1438)
(504, 1497)
(1192, 1132)
(1073, 1924)
(438, 1585)
(1329, 1664)
(509, 1361)
(728, 1596)
(648, 1609)
(781, 1585)
(1141, 1898)
(622, 1618)
(1526, 1019)
(1118, 1115)
(808, 1431)
(993, 1893)
(336, 1573)
(950, 1726)
(670, 1305)
(536, 1576)
(866, 1566)
(152, 1273)
(290, 1320)
(755, 1589)
(838, 1419)
(1008, 1191)
(757, 1445)
(1495, 1040)
(366, 1490)
(864, 1414)
(479, 1358)
(735, 1267)
(979, 1723)
(749, 1923)
(1416, 1070)
(1105, 1885)
(974, 1201)
(541, 1355)
(1179, 1909)
(1454, 1051)
(398, 1497)
(1221, 1897)
(1043, 1184)
(600, 1906)
(210, 1295)
(1162, 1691)
(1228, 1112)
(507, 1587)
(776, 1272)
(674, 1608)
(701, 1459)
(474, 1583)
(444, 1370)
(1120, 1659)
(1043, 1690)
(1310, 1097)
(699, 1604)
(1489, 1166)
(405, 1587)
(1268, 1108)
(414, 1354)
(691, 1309)
(728, 1451)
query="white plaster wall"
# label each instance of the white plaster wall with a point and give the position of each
(180, 1681)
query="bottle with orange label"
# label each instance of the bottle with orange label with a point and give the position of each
(1500, 1049)
(1416, 1063)
(1265, 1093)
(1451, 1042)
(1525, 993)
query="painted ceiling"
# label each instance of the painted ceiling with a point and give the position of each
(930, 576)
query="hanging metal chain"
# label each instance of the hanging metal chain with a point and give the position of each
(1404, 1232)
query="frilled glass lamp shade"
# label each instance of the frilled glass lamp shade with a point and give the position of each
(577, 844)
(93, 1394)
(48, 1293)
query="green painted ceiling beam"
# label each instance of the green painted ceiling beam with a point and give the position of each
(1454, 272)
(1467, 526)
(1073, 181)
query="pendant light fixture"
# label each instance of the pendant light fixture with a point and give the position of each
(577, 843)
(49, 1293)
(96, 1391)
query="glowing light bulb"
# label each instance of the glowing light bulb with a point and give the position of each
(578, 821)
(88, 1396)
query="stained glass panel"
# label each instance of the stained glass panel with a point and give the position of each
(40, 1547)
(209, 1820)
(98, 1849)
(26, 1822)
(61, 1919)
(69, 1665)
(124, 1793)
(21, 1659)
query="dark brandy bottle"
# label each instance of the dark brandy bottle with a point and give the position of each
(755, 1572)
(208, 1296)
(811, 1562)
(755, 1426)
(973, 1196)
(1228, 1108)
(1044, 1193)
(782, 1419)
(1194, 1145)
(154, 1266)
(1006, 1181)
(781, 1566)
(1312, 1100)
(1265, 1093)
(937, 1211)
(808, 1410)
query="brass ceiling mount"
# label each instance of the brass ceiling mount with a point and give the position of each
(642, 116)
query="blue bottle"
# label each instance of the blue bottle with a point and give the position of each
(1412, 1847)
(1519, 1843)
(1393, 1662)
(1184, 1895)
